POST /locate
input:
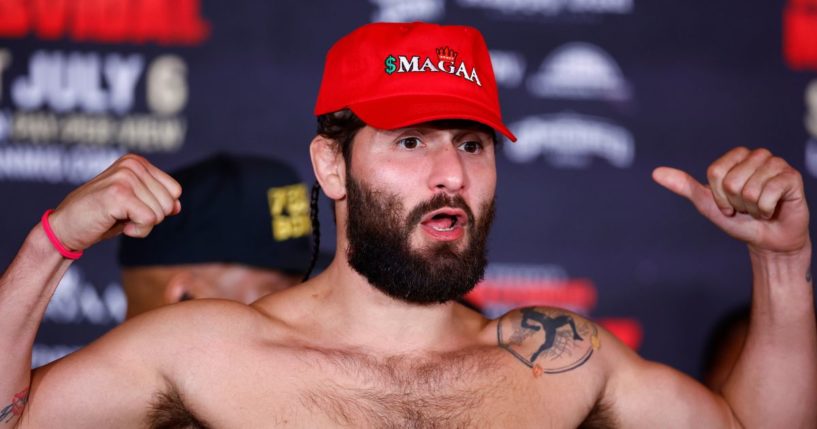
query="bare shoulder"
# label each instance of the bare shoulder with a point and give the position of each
(116, 378)
(158, 339)
(548, 340)
(569, 356)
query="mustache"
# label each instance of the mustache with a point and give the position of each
(439, 201)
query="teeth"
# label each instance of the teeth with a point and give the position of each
(450, 228)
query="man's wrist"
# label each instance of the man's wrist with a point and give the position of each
(801, 254)
(39, 243)
(782, 281)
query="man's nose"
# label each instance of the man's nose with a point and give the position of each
(448, 171)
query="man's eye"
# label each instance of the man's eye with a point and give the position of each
(471, 146)
(409, 142)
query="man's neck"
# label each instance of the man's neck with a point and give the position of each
(355, 313)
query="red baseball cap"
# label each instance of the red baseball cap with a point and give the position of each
(393, 75)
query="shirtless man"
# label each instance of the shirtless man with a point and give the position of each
(376, 340)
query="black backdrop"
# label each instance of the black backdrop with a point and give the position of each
(599, 93)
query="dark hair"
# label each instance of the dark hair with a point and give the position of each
(341, 126)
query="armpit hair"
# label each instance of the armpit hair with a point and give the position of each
(601, 416)
(168, 411)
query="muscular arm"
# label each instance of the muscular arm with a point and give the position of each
(773, 382)
(756, 198)
(25, 289)
(130, 196)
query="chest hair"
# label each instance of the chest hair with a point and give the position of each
(361, 390)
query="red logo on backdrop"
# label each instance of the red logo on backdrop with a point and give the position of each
(800, 34)
(164, 22)
(576, 294)
(497, 296)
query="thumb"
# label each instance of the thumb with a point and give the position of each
(686, 186)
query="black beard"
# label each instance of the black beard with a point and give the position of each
(380, 251)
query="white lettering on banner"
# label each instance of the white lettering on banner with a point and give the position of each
(71, 103)
(811, 157)
(167, 85)
(580, 70)
(5, 126)
(509, 67)
(144, 133)
(5, 61)
(811, 108)
(35, 127)
(524, 272)
(54, 164)
(569, 140)
(64, 82)
(407, 10)
(80, 164)
(42, 354)
(150, 134)
(77, 301)
(122, 73)
(93, 130)
(551, 7)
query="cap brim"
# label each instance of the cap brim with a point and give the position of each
(405, 110)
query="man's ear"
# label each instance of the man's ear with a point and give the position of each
(329, 167)
(180, 287)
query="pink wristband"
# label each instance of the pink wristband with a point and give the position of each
(56, 241)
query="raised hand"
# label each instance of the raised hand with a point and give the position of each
(754, 196)
(131, 196)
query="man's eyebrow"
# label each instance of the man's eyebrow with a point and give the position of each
(475, 131)
(407, 130)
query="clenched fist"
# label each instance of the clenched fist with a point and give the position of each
(131, 196)
(754, 196)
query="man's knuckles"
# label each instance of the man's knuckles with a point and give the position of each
(759, 154)
(751, 191)
(142, 215)
(124, 204)
(717, 171)
(733, 185)
(132, 161)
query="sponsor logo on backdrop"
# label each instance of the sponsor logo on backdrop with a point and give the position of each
(800, 34)
(43, 354)
(570, 140)
(177, 22)
(445, 61)
(59, 104)
(811, 128)
(50, 164)
(510, 286)
(551, 7)
(579, 70)
(77, 303)
(811, 157)
(811, 108)
(509, 68)
(407, 10)
(76, 300)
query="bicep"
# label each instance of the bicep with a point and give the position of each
(109, 383)
(648, 394)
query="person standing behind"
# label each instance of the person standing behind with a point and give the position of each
(244, 232)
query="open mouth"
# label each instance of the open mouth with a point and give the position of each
(444, 220)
